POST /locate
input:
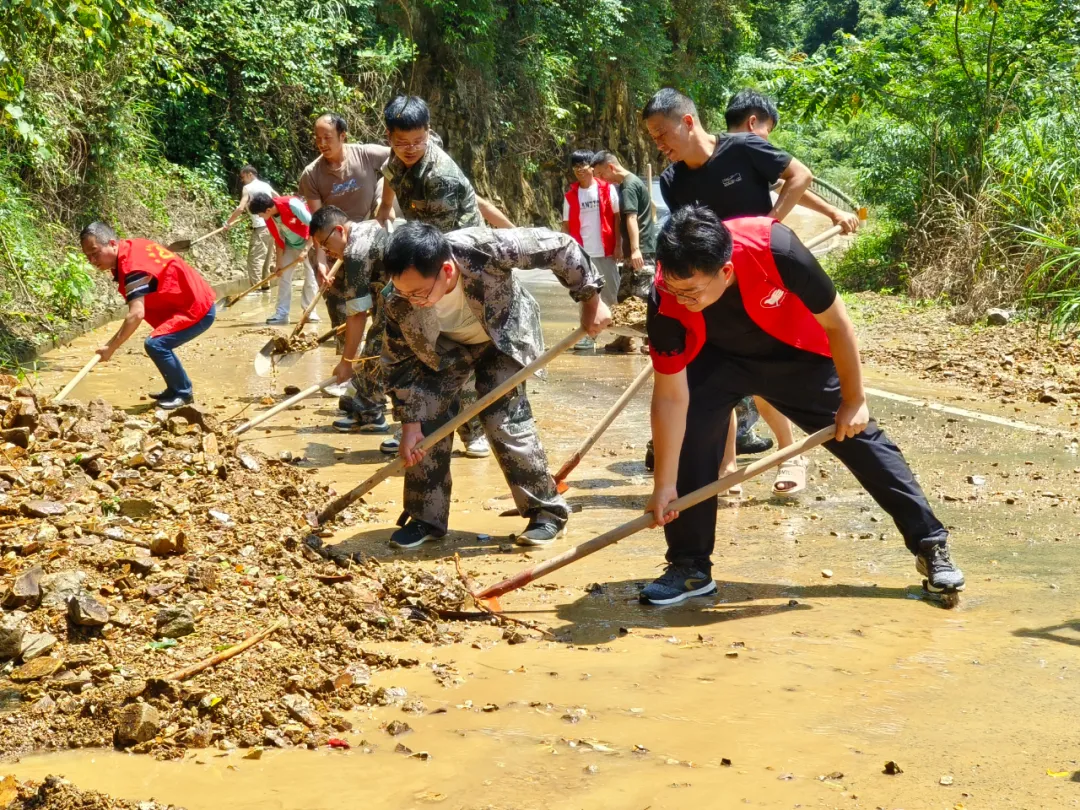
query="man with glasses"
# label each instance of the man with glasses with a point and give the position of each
(590, 214)
(360, 246)
(742, 307)
(457, 310)
(429, 187)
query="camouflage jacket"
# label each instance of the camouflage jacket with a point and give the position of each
(363, 265)
(433, 190)
(415, 355)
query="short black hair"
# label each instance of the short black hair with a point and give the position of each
(406, 113)
(581, 157)
(98, 231)
(260, 202)
(693, 240)
(749, 102)
(669, 103)
(418, 245)
(605, 156)
(336, 120)
(329, 216)
(249, 169)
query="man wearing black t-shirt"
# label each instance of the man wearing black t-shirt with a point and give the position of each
(743, 308)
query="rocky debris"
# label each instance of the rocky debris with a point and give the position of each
(55, 792)
(35, 644)
(999, 317)
(42, 509)
(137, 723)
(13, 627)
(26, 590)
(630, 312)
(175, 622)
(133, 488)
(86, 611)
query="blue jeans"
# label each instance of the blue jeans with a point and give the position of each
(160, 349)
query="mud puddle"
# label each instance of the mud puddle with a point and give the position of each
(817, 663)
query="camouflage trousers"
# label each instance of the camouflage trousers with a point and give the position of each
(509, 426)
(335, 308)
(368, 379)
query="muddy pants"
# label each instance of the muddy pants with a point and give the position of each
(261, 253)
(509, 426)
(806, 391)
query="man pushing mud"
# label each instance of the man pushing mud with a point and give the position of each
(742, 307)
(457, 309)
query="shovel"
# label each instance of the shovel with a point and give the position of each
(264, 360)
(613, 412)
(67, 389)
(281, 357)
(489, 595)
(398, 464)
(228, 301)
(180, 245)
(288, 403)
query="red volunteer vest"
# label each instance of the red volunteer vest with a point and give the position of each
(767, 301)
(182, 297)
(607, 216)
(288, 219)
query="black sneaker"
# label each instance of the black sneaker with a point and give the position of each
(166, 394)
(677, 584)
(542, 530)
(934, 563)
(750, 444)
(650, 459)
(174, 402)
(414, 534)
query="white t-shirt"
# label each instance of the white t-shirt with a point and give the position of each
(456, 318)
(255, 187)
(589, 205)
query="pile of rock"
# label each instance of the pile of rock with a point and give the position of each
(135, 546)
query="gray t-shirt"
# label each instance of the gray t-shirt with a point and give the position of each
(351, 187)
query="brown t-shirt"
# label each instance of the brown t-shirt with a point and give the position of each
(352, 186)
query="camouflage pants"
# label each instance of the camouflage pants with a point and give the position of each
(509, 426)
(335, 307)
(370, 383)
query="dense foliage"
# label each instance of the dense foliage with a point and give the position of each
(954, 120)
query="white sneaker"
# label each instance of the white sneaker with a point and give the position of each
(391, 445)
(478, 447)
(314, 317)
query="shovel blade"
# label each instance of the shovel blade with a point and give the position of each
(264, 360)
(490, 602)
(180, 245)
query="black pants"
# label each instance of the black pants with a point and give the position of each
(807, 391)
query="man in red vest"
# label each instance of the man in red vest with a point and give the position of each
(161, 289)
(287, 220)
(591, 216)
(742, 307)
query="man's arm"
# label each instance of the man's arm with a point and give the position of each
(848, 222)
(135, 315)
(354, 334)
(670, 403)
(797, 179)
(491, 213)
(240, 209)
(853, 414)
(528, 248)
(637, 261)
(384, 213)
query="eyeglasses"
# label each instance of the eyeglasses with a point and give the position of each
(414, 298)
(689, 296)
(409, 146)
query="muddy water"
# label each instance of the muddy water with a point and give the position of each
(788, 674)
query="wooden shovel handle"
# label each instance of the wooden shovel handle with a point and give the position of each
(262, 417)
(232, 299)
(824, 236)
(315, 300)
(208, 235)
(93, 361)
(436, 436)
(646, 521)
